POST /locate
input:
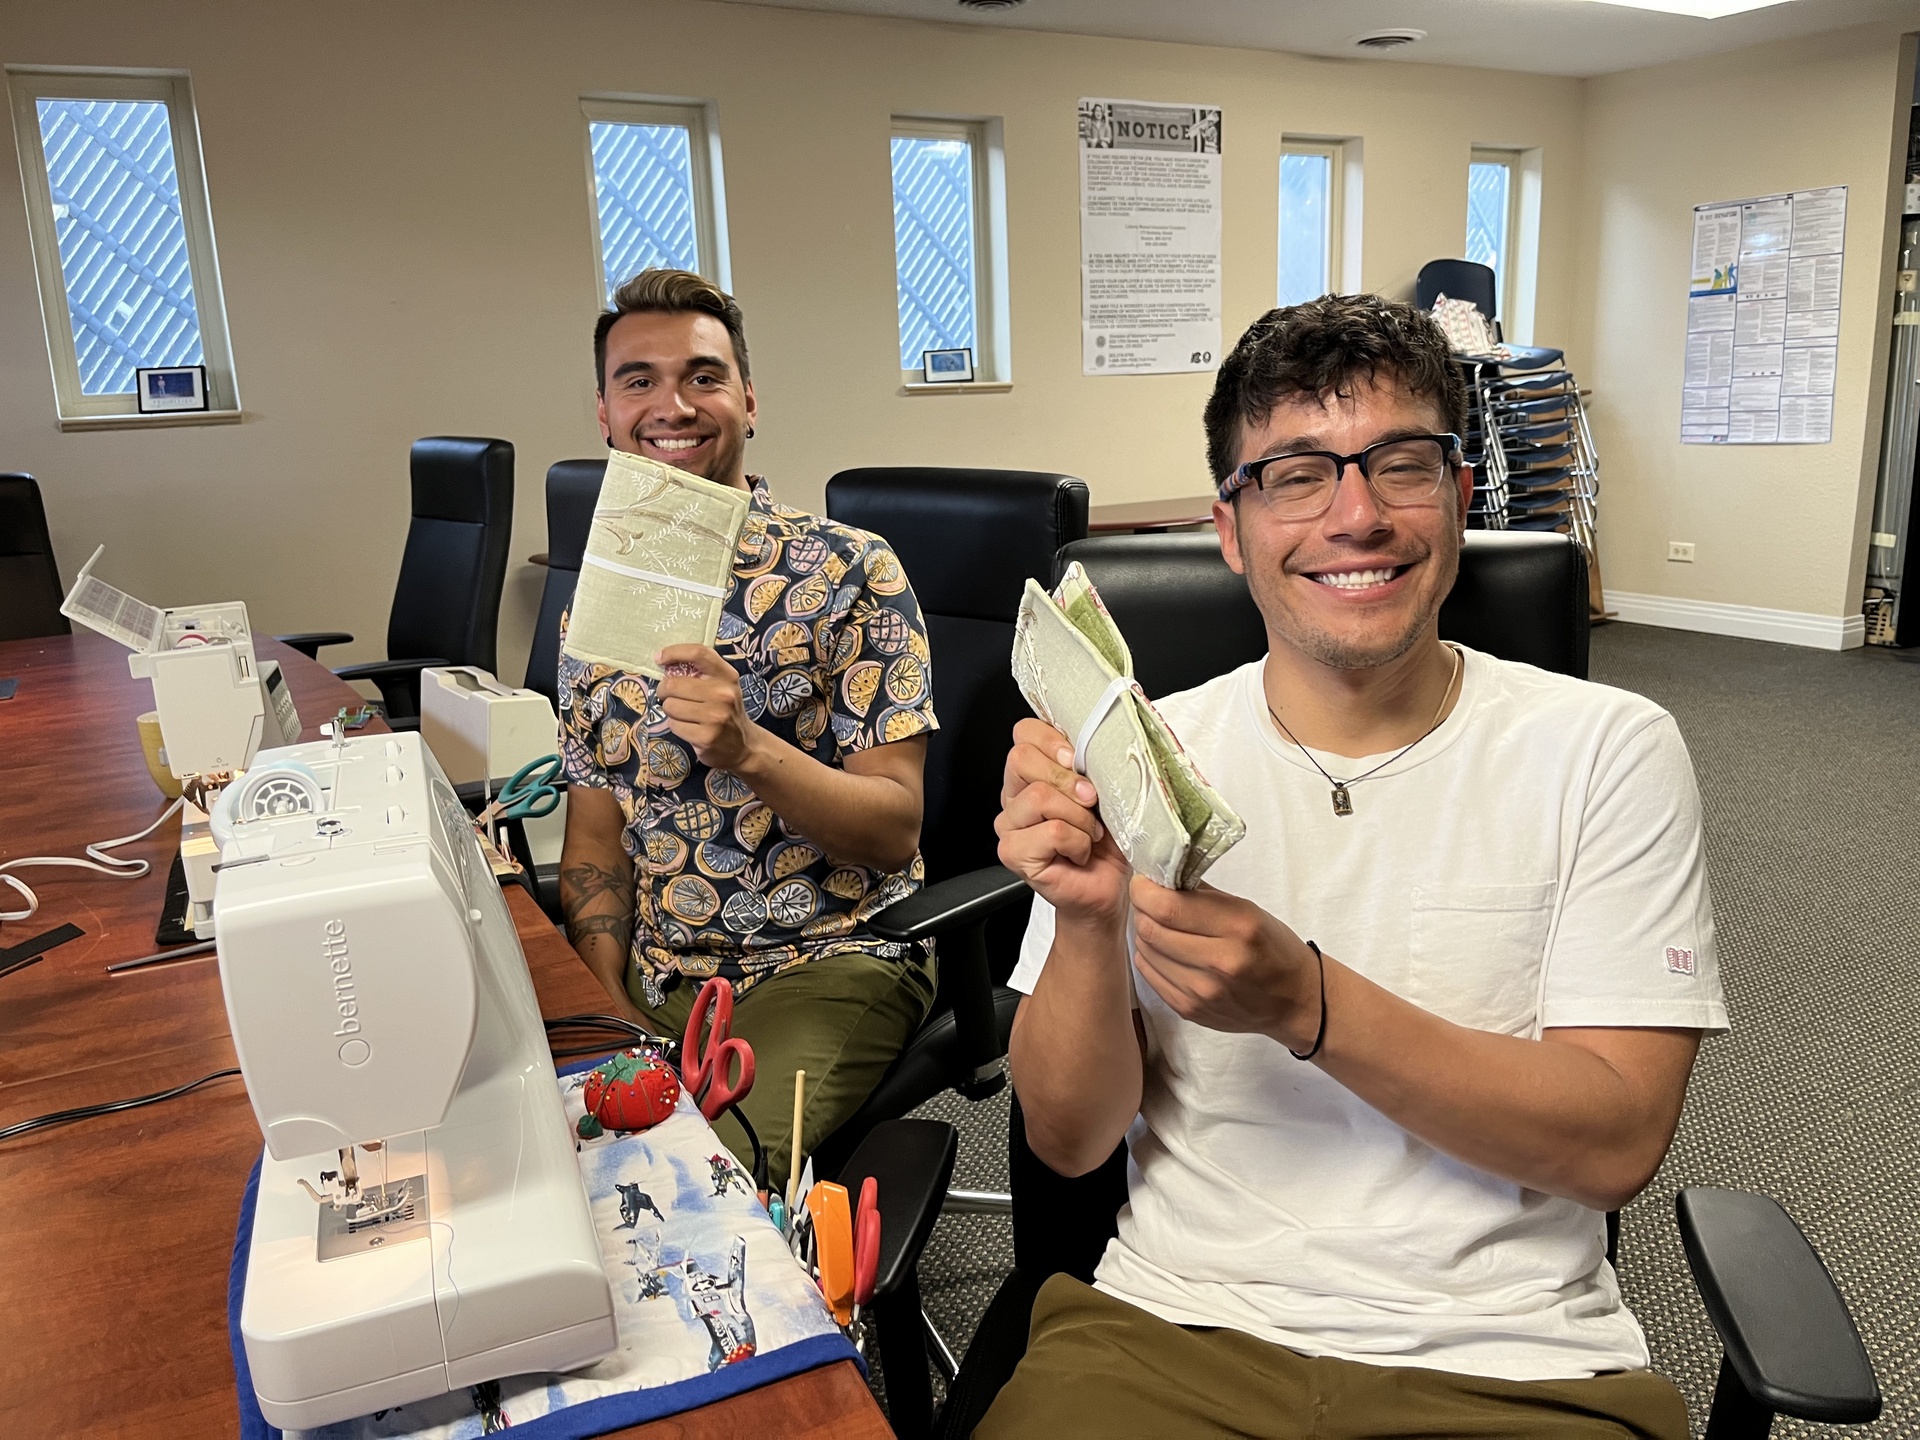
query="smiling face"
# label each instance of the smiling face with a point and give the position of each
(1360, 585)
(672, 391)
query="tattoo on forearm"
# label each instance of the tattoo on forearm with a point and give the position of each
(603, 890)
(620, 927)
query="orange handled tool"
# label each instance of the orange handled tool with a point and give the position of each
(833, 1244)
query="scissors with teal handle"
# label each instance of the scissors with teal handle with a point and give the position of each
(532, 794)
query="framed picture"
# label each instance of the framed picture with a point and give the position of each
(171, 387)
(947, 367)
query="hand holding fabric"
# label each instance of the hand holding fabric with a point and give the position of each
(701, 697)
(1223, 962)
(1050, 834)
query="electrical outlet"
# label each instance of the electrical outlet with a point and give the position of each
(1681, 550)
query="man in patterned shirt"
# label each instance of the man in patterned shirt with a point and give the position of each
(745, 815)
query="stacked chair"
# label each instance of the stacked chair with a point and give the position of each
(1536, 463)
(1527, 435)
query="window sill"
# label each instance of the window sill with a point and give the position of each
(957, 387)
(151, 422)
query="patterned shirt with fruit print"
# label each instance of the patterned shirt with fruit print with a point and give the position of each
(831, 650)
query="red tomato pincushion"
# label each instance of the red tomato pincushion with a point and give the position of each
(632, 1091)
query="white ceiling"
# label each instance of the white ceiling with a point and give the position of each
(1548, 37)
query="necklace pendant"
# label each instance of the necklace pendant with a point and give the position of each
(1342, 802)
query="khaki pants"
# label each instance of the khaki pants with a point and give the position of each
(1098, 1366)
(841, 1018)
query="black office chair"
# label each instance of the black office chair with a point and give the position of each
(573, 488)
(968, 540)
(446, 603)
(1790, 1345)
(30, 591)
(1518, 596)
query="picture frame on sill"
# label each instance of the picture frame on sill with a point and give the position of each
(163, 389)
(947, 367)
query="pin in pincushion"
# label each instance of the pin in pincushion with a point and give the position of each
(631, 1091)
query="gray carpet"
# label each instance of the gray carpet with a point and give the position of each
(1809, 764)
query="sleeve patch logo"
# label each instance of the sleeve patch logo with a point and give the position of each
(1679, 962)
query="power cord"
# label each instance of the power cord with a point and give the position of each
(97, 860)
(87, 1112)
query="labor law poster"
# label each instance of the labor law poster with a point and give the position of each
(1149, 237)
(1763, 320)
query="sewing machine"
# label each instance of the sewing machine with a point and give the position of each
(421, 1224)
(215, 701)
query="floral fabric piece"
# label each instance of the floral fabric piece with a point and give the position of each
(831, 650)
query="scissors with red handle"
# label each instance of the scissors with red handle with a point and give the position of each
(718, 1072)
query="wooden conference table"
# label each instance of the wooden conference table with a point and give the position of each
(115, 1232)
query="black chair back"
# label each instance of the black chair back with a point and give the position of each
(446, 603)
(573, 487)
(968, 540)
(30, 591)
(1188, 618)
(1457, 280)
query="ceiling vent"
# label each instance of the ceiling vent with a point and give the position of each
(1379, 40)
(990, 4)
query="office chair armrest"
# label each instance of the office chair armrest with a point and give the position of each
(308, 643)
(913, 1161)
(962, 900)
(1788, 1335)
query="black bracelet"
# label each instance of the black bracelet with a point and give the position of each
(1320, 1035)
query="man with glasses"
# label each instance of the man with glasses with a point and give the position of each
(1384, 1073)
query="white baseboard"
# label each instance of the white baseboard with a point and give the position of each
(1749, 622)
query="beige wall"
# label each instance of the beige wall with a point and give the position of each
(1780, 527)
(400, 200)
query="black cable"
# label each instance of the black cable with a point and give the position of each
(759, 1151)
(86, 1112)
(628, 1032)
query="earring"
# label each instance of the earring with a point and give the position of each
(749, 432)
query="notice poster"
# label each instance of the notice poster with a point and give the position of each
(1149, 237)
(1763, 320)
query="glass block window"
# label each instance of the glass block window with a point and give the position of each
(1307, 217)
(643, 188)
(1490, 197)
(123, 244)
(936, 242)
(122, 235)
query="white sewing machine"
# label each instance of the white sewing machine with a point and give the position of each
(215, 701)
(421, 1223)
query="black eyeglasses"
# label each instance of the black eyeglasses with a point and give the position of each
(1301, 484)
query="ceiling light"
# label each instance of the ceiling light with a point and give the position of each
(1377, 40)
(1698, 9)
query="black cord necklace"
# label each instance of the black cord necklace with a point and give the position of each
(1342, 801)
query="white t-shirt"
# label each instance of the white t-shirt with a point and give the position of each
(1535, 862)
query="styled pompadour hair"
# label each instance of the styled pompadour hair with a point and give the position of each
(669, 292)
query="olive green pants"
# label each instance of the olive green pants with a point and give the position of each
(841, 1018)
(1098, 1366)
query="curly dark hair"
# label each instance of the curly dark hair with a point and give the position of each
(1322, 348)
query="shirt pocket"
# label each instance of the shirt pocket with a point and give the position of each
(1476, 953)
